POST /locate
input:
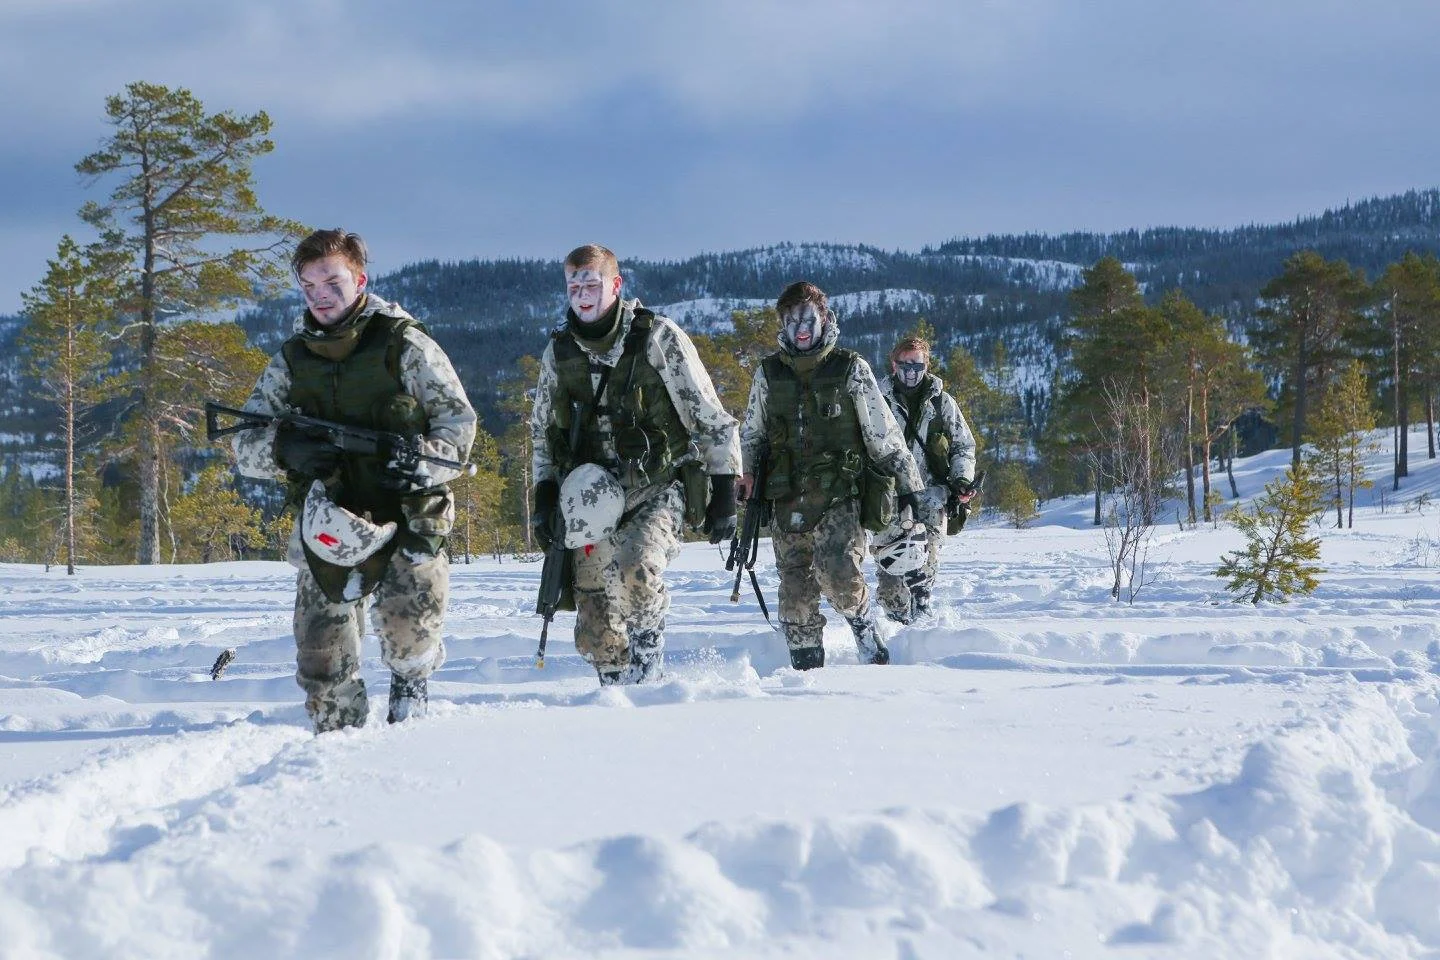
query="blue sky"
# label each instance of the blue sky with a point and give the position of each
(441, 128)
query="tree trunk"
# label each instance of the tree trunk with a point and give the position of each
(1205, 448)
(1297, 429)
(1095, 475)
(70, 462)
(1230, 465)
(1339, 496)
(1190, 451)
(1430, 417)
(147, 550)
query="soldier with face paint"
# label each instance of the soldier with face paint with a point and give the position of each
(944, 450)
(820, 410)
(369, 529)
(646, 412)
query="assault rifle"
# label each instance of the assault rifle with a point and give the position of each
(405, 451)
(745, 544)
(555, 574)
(960, 512)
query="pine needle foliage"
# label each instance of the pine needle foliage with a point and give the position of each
(1277, 560)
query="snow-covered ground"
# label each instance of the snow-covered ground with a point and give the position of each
(1041, 772)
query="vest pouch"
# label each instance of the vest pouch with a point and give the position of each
(937, 456)
(878, 505)
(429, 514)
(696, 484)
(780, 481)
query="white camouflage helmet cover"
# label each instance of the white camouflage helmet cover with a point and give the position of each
(591, 502)
(336, 535)
(902, 547)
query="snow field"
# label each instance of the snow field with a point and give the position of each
(1041, 773)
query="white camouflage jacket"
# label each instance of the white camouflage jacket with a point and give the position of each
(425, 374)
(962, 441)
(884, 443)
(674, 358)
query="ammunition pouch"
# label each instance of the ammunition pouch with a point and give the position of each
(878, 499)
(695, 483)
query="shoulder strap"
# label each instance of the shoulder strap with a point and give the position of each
(398, 326)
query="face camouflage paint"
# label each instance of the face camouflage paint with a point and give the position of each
(803, 326)
(591, 293)
(909, 372)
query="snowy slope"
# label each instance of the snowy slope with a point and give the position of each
(1041, 773)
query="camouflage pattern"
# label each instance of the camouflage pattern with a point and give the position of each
(826, 560)
(336, 535)
(895, 593)
(591, 503)
(962, 441)
(673, 356)
(425, 373)
(407, 613)
(884, 443)
(620, 584)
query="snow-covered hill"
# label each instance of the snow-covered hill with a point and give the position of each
(1040, 773)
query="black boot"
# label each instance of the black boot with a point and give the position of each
(868, 645)
(647, 656)
(920, 601)
(609, 675)
(807, 658)
(408, 698)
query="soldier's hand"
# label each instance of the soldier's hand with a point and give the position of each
(720, 512)
(542, 516)
(304, 453)
(745, 485)
(962, 490)
(910, 501)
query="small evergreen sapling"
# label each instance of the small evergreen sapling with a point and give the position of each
(1276, 559)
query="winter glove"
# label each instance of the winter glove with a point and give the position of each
(960, 487)
(542, 517)
(910, 500)
(720, 511)
(303, 453)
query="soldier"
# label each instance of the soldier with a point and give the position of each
(835, 452)
(368, 525)
(654, 441)
(944, 450)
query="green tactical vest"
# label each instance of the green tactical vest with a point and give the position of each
(937, 440)
(361, 390)
(817, 451)
(649, 436)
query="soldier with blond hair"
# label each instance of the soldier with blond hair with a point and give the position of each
(944, 450)
(654, 452)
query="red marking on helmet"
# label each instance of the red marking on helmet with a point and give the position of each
(588, 548)
(327, 539)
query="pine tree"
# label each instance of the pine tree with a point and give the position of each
(1008, 491)
(1339, 437)
(1409, 297)
(1301, 333)
(211, 522)
(184, 187)
(64, 337)
(1275, 561)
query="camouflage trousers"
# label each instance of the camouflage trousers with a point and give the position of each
(620, 581)
(895, 592)
(407, 612)
(827, 559)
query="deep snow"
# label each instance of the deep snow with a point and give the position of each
(1041, 773)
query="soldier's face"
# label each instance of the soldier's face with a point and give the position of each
(330, 287)
(803, 325)
(909, 367)
(591, 292)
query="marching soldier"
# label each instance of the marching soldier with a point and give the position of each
(836, 460)
(368, 525)
(653, 452)
(944, 450)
